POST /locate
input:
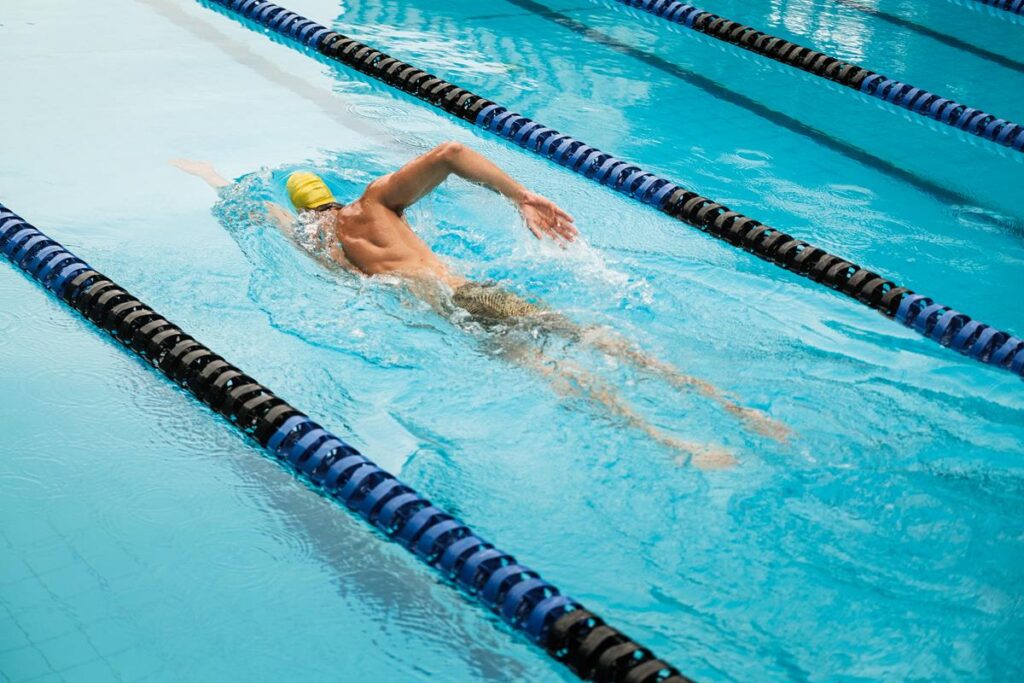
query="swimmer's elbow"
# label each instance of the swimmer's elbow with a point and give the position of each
(450, 151)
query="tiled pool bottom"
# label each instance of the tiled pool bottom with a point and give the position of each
(878, 544)
(128, 558)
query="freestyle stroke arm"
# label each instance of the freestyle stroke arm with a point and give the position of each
(403, 188)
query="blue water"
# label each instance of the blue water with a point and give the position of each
(140, 537)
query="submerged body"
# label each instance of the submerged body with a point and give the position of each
(371, 236)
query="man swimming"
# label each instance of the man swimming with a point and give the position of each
(371, 236)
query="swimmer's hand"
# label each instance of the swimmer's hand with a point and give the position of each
(201, 169)
(544, 217)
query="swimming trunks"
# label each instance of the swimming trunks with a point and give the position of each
(488, 303)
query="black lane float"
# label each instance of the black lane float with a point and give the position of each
(914, 99)
(936, 321)
(1015, 6)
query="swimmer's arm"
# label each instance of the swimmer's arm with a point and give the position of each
(282, 219)
(202, 169)
(285, 222)
(403, 188)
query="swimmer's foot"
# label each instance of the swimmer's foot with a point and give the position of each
(755, 420)
(714, 459)
(201, 169)
(760, 423)
(703, 457)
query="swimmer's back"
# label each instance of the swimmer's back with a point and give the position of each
(376, 240)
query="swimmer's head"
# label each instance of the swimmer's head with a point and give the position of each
(308, 192)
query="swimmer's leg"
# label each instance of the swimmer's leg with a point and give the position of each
(756, 420)
(570, 379)
(608, 342)
(202, 169)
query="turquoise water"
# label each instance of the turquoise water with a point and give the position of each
(142, 538)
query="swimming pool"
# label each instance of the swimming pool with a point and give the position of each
(882, 543)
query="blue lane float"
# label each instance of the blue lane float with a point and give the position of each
(916, 100)
(517, 594)
(1014, 6)
(990, 9)
(938, 36)
(940, 323)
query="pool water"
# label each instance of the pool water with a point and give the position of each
(142, 538)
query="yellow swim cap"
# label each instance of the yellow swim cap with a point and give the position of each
(308, 191)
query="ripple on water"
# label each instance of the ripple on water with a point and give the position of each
(7, 322)
(244, 556)
(170, 412)
(39, 472)
(27, 487)
(978, 218)
(748, 158)
(413, 140)
(851, 193)
(79, 387)
(377, 110)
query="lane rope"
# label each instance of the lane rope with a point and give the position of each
(975, 6)
(566, 630)
(937, 36)
(938, 322)
(916, 100)
(1014, 6)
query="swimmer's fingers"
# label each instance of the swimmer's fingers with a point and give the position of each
(539, 223)
(558, 234)
(557, 237)
(542, 213)
(566, 230)
(535, 230)
(563, 216)
(562, 222)
(559, 230)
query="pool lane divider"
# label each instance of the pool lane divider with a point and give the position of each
(938, 36)
(991, 10)
(936, 321)
(916, 100)
(1014, 6)
(562, 626)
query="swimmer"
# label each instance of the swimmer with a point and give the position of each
(371, 236)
